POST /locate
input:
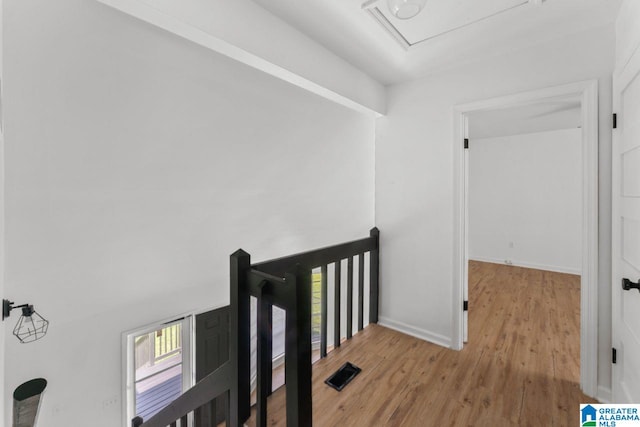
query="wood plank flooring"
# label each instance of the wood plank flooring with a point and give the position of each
(519, 368)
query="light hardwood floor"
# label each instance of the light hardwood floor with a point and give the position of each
(520, 367)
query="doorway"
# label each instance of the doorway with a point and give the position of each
(587, 95)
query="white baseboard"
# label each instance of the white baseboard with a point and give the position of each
(525, 264)
(604, 394)
(415, 332)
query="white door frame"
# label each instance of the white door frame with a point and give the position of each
(621, 79)
(187, 320)
(588, 92)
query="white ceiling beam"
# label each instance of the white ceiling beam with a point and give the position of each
(369, 4)
(306, 63)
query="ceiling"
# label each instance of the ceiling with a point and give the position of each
(541, 116)
(438, 17)
(444, 34)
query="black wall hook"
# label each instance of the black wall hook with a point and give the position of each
(628, 284)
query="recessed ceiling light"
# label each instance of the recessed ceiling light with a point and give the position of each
(405, 9)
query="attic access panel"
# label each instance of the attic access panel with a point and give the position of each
(439, 17)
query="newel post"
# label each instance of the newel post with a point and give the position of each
(374, 277)
(298, 348)
(240, 339)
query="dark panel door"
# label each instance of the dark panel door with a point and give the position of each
(212, 350)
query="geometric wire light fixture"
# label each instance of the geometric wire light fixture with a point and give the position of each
(31, 326)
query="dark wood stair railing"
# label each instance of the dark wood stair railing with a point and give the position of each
(286, 283)
(207, 390)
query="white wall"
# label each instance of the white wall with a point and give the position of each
(627, 31)
(136, 162)
(414, 175)
(525, 200)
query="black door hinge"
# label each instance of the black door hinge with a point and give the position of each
(615, 121)
(614, 355)
(465, 305)
(466, 143)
